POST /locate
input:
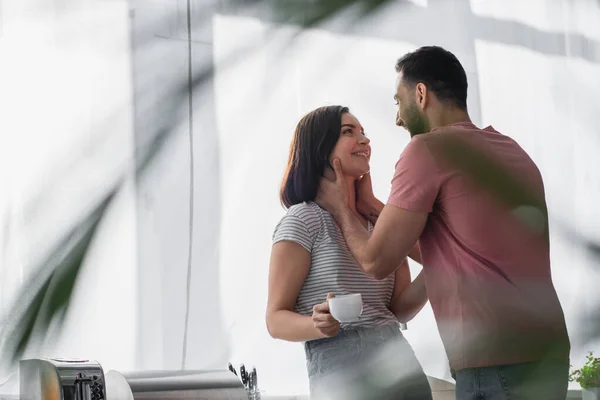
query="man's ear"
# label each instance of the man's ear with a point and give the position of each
(422, 95)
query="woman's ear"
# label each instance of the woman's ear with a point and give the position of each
(328, 172)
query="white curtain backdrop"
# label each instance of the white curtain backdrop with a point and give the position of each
(74, 108)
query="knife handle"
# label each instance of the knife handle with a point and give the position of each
(243, 375)
(232, 369)
(254, 379)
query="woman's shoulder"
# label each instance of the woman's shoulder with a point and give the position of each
(305, 210)
(309, 213)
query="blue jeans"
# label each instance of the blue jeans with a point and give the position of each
(365, 363)
(544, 380)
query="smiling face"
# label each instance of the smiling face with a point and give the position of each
(352, 148)
(410, 115)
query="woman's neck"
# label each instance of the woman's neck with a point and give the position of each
(351, 185)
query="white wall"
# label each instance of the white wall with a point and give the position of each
(66, 136)
(66, 133)
(532, 87)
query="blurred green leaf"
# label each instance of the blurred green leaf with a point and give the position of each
(47, 296)
(491, 176)
(311, 13)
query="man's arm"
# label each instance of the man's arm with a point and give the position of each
(396, 232)
(371, 209)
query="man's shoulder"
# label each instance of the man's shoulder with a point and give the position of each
(460, 130)
(457, 138)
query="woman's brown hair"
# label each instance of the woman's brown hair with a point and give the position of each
(314, 138)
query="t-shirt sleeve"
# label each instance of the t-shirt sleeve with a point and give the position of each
(294, 229)
(415, 184)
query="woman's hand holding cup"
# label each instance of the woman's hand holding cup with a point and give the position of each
(323, 320)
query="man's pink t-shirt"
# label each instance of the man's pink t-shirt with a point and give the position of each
(485, 246)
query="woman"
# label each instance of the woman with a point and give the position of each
(310, 263)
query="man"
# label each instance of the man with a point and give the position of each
(474, 201)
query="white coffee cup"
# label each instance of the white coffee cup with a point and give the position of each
(346, 308)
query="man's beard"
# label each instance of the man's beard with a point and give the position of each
(416, 123)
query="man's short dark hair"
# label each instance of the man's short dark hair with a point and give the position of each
(314, 139)
(439, 70)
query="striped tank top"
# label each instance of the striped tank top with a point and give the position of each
(333, 268)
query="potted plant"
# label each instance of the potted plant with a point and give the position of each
(588, 378)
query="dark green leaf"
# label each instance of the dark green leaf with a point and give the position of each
(49, 292)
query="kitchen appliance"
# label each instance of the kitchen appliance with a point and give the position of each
(61, 379)
(72, 379)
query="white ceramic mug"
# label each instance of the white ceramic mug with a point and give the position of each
(346, 308)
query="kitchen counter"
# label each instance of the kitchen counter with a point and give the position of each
(441, 389)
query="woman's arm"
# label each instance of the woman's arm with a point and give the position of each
(289, 267)
(415, 254)
(408, 297)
